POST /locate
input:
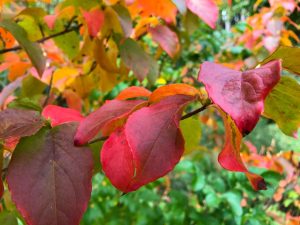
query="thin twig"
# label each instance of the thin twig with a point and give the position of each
(194, 112)
(42, 40)
(48, 91)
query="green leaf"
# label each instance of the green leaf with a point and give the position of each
(191, 130)
(289, 56)
(32, 49)
(283, 105)
(32, 86)
(234, 200)
(69, 42)
(136, 59)
(8, 219)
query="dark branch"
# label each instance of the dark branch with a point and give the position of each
(42, 40)
(194, 112)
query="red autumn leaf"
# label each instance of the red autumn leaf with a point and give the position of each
(133, 92)
(94, 20)
(49, 178)
(230, 158)
(173, 89)
(207, 10)
(60, 115)
(166, 38)
(1, 167)
(109, 116)
(240, 94)
(148, 147)
(19, 123)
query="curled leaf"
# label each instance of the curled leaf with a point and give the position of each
(230, 158)
(240, 94)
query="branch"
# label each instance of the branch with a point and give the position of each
(42, 40)
(194, 112)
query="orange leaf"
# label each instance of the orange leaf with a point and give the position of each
(173, 89)
(17, 69)
(133, 92)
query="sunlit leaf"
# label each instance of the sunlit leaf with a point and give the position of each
(133, 92)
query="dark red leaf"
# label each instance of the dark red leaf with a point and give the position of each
(19, 123)
(107, 118)
(148, 147)
(240, 94)
(60, 115)
(49, 178)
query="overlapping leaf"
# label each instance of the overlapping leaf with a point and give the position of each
(240, 94)
(32, 49)
(60, 115)
(94, 20)
(133, 92)
(49, 178)
(230, 158)
(173, 89)
(147, 147)
(107, 118)
(283, 105)
(19, 123)
(289, 57)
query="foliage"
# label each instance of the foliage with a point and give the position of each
(114, 79)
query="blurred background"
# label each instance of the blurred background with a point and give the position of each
(198, 191)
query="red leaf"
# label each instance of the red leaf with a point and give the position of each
(207, 10)
(230, 158)
(94, 20)
(166, 38)
(19, 123)
(49, 178)
(109, 116)
(240, 94)
(148, 147)
(60, 115)
(50, 20)
(133, 92)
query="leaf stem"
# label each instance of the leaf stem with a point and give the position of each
(42, 40)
